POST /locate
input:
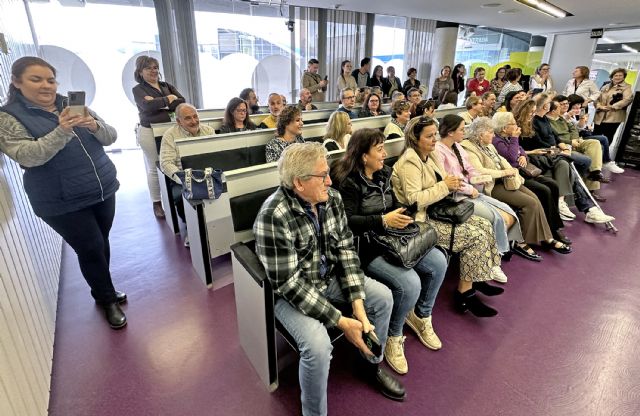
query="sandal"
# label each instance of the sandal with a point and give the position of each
(557, 246)
(527, 252)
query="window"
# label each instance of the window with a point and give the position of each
(388, 43)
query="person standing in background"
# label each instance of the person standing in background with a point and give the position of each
(156, 101)
(312, 81)
(361, 75)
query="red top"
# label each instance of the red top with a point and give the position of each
(479, 87)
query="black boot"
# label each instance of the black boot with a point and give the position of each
(384, 381)
(468, 301)
(486, 289)
(114, 315)
(121, 297)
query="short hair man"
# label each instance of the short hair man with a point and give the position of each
(187, 125)
(304, 104)
(313, 81)
(348, 102)
(305, 245)
(362, 74)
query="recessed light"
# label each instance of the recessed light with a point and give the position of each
(491, 5)
(617, 24)
(508, 11)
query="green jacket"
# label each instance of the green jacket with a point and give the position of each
(566, 131)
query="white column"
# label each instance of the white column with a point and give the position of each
(444, 49)
(564, 52)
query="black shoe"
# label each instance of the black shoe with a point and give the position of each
(115, 316)
(558, 235)
(522, 252)
(468, 301)
(598, 197)
(121, 297)
(507, 256)
(563, 249)
(389, 386)
(595, 175)
(486, 289)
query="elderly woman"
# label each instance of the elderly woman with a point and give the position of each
(371, 106)
(455, 162)
(611, 105)
(338, 131)
(400, 115)
(372, 207)
(442, 84)
(485, 158)
(418, 178)
(236, 117)
(541, 80)
(288, 131)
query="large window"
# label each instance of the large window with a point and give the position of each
(617, 49)
(103, 65)
(388, 43)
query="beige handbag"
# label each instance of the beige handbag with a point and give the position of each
(512, 183)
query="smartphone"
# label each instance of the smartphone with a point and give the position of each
(372, 342)
(411, 209)
(326, 77)
(536, 91)
(76, 102)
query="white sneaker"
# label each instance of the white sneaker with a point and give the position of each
(424, 330)
(186, 242)
(612, 167)
(394, 354)
(596, 216)
(563, 218)
(498, 275)
(565, 211)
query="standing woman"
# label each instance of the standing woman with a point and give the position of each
(541, 80)
(581, 85)
(70, 180)
(377, 80)
(458, 74)
(498, 82)
(346, 80)
(442, 84)
(412, 82)
(478, 85)
(156, 101)
(611, 105)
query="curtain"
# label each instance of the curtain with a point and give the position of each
(418, 47)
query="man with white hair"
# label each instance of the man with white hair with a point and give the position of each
(306, 247)
(304, 104)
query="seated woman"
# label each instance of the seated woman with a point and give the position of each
(449, 101)
(486, 160)
(512, 100)
(371, 106)
(478, 85)
(455, 162)
(397, 96)
(499, 80)
(412, 82)
(506, 142)
(338, 131)
(377, 79)
(400, 115)
(275, 107)
(236, 117)
(372, 207)
(513, 84)
(288, 131)
(442, 84)
(418, 178)
(426, 108)
(556, 167)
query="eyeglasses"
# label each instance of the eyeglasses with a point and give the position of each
(349, 98)
(240, 110)
(324, 176)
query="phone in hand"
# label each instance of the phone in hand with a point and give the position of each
(372, 342)
(76, 103)
(326, 77)
(411, 209)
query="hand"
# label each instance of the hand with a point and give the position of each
(308, 107)
(67, 121)
(562, 146)
(473, 94)
(323, 83)
(522, 161)
(148, 97)
(539, 152)
(396, 219)
(517, 132)
(511, 171)
(474, 193)
(453, 183)
(171, 98)
(566, 152)
(353, 329)
(88, 122)
(576, 142)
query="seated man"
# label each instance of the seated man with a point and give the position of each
(276, 104)
(306, 247)
(304, 104)
(348, 102)
(187, 125)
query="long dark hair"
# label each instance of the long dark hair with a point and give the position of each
(342, 69)
(142, 62)
(360, 143)
(18, 68)
(230, 121)
(450, 123)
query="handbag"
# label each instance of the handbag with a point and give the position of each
(201, 184)
(513, 183)
(451, 211)
(407, 246)
(530, 171)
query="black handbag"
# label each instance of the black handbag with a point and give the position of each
(407, 246)
(201, 184)
(451, 211)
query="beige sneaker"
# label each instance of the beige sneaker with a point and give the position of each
(394, 354)
(424, 330)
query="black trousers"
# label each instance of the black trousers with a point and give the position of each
(176, 194)
(87, 232)
(606, 129)
(546, 189)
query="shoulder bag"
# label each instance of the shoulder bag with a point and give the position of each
(407, 246)
(201, 184)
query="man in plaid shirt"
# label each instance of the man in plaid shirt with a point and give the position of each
(306, 248)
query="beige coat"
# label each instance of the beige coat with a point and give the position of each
(479, 160)
(312, 83)
(618, 115)
(415, 181)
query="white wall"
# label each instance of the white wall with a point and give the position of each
(29, 264)
(564, 52)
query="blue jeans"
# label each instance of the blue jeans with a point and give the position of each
(604, 142)
(581, 161)
(315, 346)
(417, 287)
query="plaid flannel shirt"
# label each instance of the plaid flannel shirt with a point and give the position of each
(289, 249)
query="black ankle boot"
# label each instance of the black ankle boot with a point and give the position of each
(380, 378)
(486, 289)
(468, 301)
(114, 315)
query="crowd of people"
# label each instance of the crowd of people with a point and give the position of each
(521, 159)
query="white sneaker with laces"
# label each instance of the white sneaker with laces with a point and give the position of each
(394, 354)
(596, 216)
(424, 330)
(565, 211)
(498, 275)
(613, 167)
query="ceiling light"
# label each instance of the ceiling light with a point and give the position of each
(508, 11)
(491, 5)
(545, 7)
(629, 48)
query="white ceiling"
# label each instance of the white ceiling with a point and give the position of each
(588, 14)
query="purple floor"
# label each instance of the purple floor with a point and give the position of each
(564, 343)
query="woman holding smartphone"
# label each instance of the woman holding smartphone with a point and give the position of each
(70, 180)
(156, 101)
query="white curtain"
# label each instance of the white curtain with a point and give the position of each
(418, 47)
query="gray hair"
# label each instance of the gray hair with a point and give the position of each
(182, 106)
(479, 126)
(345, 90)
(500, 121)
(298, 161)
(303, 90)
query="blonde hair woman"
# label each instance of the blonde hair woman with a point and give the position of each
(338, 131)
